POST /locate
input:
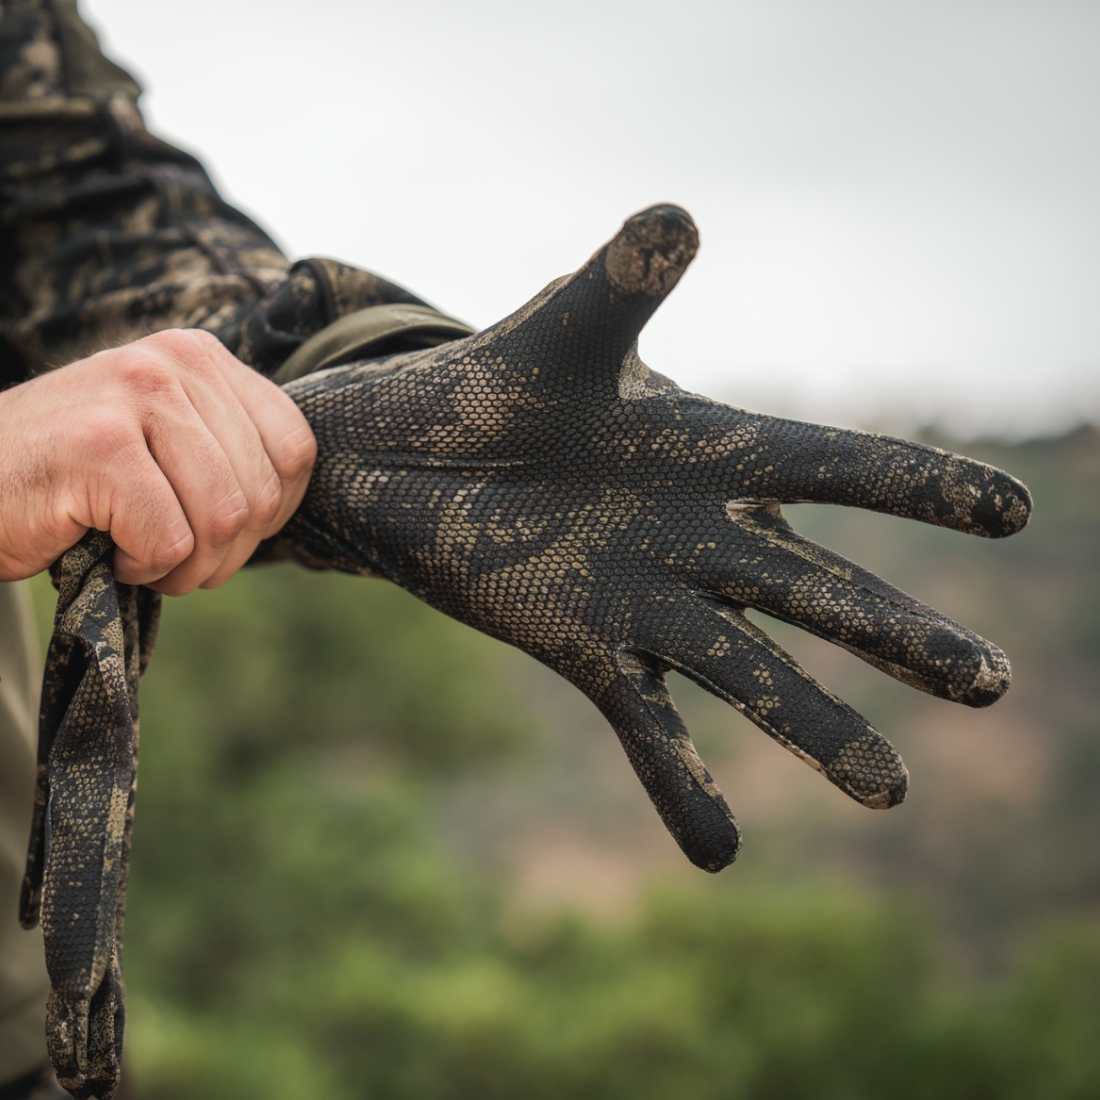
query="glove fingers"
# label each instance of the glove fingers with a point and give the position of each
(793, 579)
(638, 706)
(722, 651)
(754, 459)
(831, 466)
(579, 333)
(90, 775)
(84, 1037)
(103, 636)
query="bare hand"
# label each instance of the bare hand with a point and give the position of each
(188, 457)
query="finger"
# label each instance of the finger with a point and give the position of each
(718, 648)
(229, 422)
(149, 527)
(638, 706)
(579, 333)
(807, 462)
(266, 440)
(285, 435)
(794, 579)
(205, 483)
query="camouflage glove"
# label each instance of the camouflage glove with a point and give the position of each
(79, 853)
(540, 483)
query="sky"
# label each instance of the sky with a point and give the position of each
(898, 201)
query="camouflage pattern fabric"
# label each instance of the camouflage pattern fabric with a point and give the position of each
(79, 850)
(108, 233)
(541, 483)
(536, 480)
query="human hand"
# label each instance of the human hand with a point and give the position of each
(537, 481)
(188, 457)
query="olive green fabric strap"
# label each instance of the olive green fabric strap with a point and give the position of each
(368, 333)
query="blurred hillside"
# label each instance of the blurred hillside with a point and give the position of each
(379, 855)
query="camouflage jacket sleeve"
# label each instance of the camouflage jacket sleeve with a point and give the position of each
(109, 233)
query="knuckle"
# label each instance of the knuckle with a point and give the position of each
(153, 554)
(182, 341)
(188, 349)
(296, 453)
(172, 549)
(228, 519)
(143, 376)
(264, 508)
(168, 339)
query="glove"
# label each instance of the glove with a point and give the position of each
(540, 483)
(79, 853)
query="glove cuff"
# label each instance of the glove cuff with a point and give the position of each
(325, 313)
(369, 333)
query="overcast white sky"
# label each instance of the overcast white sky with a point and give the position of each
(898, 201)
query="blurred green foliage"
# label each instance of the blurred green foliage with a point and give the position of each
(301, 926)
